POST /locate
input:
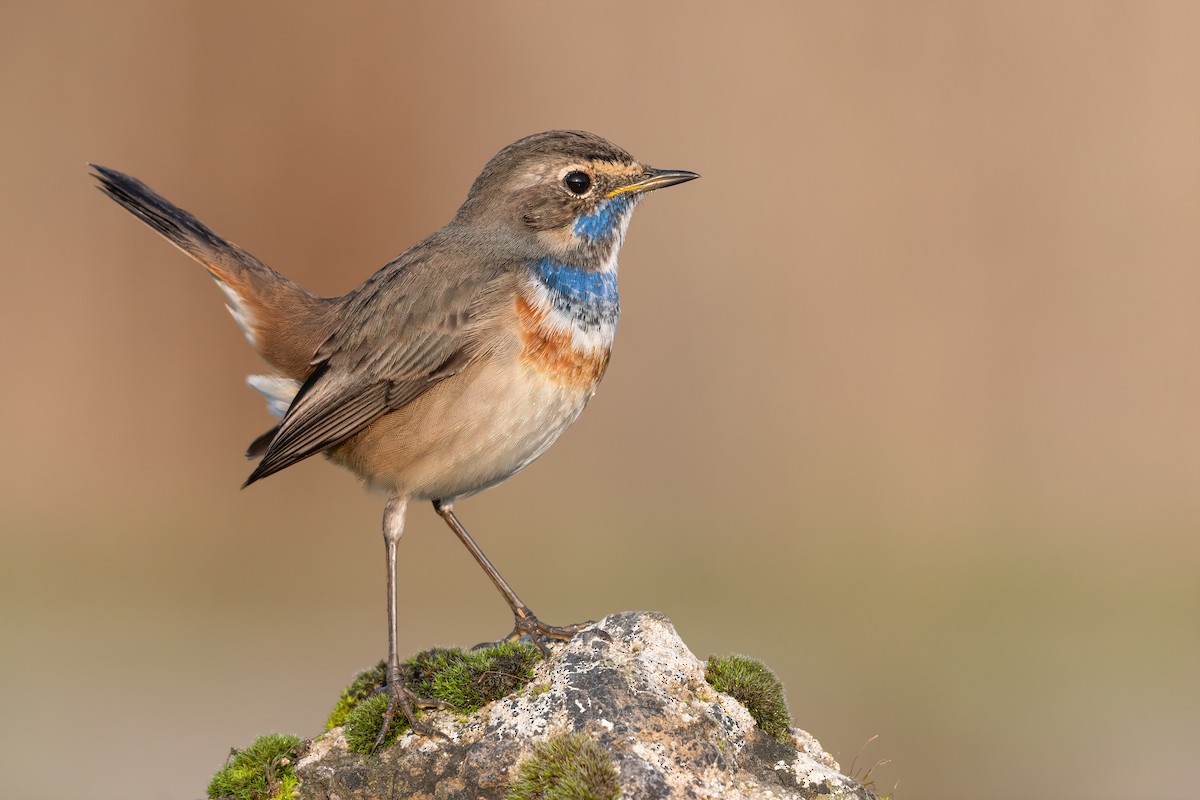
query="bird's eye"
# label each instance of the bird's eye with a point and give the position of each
(578, 182)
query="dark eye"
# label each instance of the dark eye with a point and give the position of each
(578, 182)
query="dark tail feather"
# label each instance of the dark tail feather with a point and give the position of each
(286, 323)
(178, 226)
(260, 445)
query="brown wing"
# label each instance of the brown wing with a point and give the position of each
(414, 323)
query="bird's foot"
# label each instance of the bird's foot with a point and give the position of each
(526, 624)
(401, 698)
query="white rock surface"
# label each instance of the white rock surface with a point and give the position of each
(629, 682)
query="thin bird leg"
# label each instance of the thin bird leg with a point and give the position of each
(525, 623)
(399, 695)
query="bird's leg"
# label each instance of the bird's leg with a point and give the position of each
(399, 695)
(525, 623)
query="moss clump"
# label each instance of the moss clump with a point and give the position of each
(365, 684)
(422, 670)
(755, 687)
(467, 680)
(263, 771)
(568, 767)
(480, 677)
(364, 721)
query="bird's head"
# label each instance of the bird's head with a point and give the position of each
(566, 194)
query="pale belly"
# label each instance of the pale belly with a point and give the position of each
(466, 434)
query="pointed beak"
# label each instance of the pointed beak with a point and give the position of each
(655, 179)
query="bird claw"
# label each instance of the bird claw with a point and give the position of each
(407, 702)
(526, 624)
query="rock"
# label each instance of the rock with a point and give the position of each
(627, 687)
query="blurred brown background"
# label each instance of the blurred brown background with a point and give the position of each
(905, 399)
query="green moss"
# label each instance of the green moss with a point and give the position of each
(364, 721)
(480, 677)
(567, 767)
(422, 670)
(263, 771)
(755, 687)
(467, 680)
(366, 683)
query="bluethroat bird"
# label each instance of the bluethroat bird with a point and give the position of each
(458, 363)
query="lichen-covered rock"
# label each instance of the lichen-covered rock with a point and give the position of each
(628, 684)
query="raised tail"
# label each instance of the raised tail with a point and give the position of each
(283, 321)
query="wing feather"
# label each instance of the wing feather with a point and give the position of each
(416, 322)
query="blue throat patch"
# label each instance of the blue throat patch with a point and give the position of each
(587, 295)
(604, 221)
